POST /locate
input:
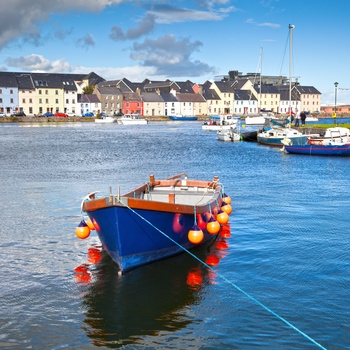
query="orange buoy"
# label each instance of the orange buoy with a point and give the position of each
(82, 230)
(226, 208)
(90, 224)
(222, 217)
(213, 226)
(195, 235)
(226, 198)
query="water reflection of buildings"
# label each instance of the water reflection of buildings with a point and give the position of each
(120, 310)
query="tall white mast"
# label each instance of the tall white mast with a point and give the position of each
(291, 27)
(261, 52)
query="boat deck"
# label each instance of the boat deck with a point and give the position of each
(180, 195)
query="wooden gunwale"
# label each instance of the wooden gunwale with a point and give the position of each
(128, 199)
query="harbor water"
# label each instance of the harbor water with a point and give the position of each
(281, 279)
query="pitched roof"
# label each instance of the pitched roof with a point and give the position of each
(308, 90)
(151, 97)
(169, 97)
(189, 97)
(88, 98)
(244, 95)
(132, 97)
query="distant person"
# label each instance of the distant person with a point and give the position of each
(303, 118)
(297, 119)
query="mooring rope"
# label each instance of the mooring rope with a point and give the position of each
(228, 281)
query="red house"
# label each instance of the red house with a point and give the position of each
(132, 103)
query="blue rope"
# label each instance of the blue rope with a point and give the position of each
(229, 282)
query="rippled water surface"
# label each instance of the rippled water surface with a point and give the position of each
(287, 257)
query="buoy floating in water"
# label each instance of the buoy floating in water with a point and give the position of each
(213, 226)
(82, 230)
(195, 235)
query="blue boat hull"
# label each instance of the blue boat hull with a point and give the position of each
(135, 237)
(183, 118)
(330, 150)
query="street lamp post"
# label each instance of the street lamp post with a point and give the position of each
(335, 102)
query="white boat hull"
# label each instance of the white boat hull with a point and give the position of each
(105, 120)
(228, 136)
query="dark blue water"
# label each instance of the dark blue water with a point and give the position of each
(289, 245)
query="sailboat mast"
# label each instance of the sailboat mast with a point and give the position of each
(291, 27)
(261, 52)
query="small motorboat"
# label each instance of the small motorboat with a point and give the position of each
(336, 149)
(155, 220)
(228, 135)
(331, 134)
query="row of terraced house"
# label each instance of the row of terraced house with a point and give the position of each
(38, 93)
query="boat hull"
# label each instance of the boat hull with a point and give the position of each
(275, 136)
(277, 141)
(134, 238)
(149, 224)
(251, 136)
(183, 118)
(330, 150)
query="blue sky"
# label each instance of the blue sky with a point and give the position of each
(179, 40)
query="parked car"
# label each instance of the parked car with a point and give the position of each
(48, 114)
(59, 114)
(89, 114)
(71, 114)
(20, 114)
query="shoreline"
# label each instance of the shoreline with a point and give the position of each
(92, 119)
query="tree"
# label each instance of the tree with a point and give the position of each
(88, 90)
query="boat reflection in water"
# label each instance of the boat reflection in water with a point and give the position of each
(122, 310)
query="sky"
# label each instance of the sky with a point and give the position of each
(195, 40)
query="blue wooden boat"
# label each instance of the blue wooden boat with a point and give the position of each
(320, 150)
(154, 220)
(183, 117)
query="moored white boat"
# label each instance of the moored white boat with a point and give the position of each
(131, 119)
(225, 122)
(105, 119)
(228, 135)
(331, 134)
(259, 119)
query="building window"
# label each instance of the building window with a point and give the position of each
(11, 91)
(47, 100)
(23, 100)
(56, 92)
(40, 100)
(56, 100)
(39, 92)
(46, 92)
(30, 100)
